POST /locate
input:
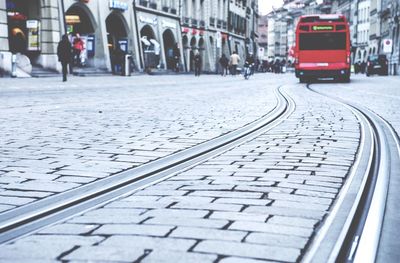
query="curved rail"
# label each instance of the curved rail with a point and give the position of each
(31, 217)
(352, 231)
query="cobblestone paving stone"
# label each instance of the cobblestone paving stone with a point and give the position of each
(379, 94)
(382, 96)
(261, 201)
(55, 137)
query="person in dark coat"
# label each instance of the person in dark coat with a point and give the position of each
(197, 63)
(119, 61)
(64, 55)
(177, 56)
(224, 62)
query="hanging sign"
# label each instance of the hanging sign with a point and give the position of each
(148, 20)
(120, 5)
(387, 45)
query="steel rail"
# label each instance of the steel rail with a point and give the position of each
(32, 217)
(358, 233)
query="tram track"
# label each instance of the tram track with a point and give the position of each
(352, 230)
(32, 217)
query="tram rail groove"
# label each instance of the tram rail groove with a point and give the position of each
(352, 234)
(30, 218)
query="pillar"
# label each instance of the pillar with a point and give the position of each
(5, 55)
(51, 24)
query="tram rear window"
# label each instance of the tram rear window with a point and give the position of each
(322, 41)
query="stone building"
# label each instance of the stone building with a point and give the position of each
(200, 21)
(152, 31)
(374, 27)
(34, 28)
(103, 28)
(31, 29)
(363, 27)
(263, 36)
(159, 28)
(390, 32)
(348, 8)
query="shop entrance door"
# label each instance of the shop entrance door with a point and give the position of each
(169, 46)
(24, 27)
(80, 27)
(117, 37)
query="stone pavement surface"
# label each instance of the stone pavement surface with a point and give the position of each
(57, 136)
(261, 201)
(381, 94)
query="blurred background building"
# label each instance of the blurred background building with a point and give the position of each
(374, 27)
(151, 31)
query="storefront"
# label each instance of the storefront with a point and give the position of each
(172, 46)
(150, 46)
(160, 39)
(81, 26)
(108, 30)
(118, 42)
(23, 19)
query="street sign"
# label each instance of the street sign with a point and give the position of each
(387, 45)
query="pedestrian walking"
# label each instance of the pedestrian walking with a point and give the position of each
(277, 66)
(234, 62)
(177, 56)
(64, 55)
(197, 63)
(224, 62)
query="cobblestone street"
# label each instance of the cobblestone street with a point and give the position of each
(59, 136)
(264, 200)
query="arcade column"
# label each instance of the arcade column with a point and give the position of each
(51, 32)
(5, 55)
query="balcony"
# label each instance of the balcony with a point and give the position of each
(202, 24)
(144, 3)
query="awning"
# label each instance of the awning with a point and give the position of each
(145, 41)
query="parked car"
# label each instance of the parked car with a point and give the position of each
(377, 64)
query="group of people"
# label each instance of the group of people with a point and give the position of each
(230, 65)
(277, 66)
(360, 67)
(70, 54)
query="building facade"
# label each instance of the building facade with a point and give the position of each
(159, 33)
(363, 27)
(374, 27)
(30, 29)
(390, 34)
(263, 37)
(151, 31)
